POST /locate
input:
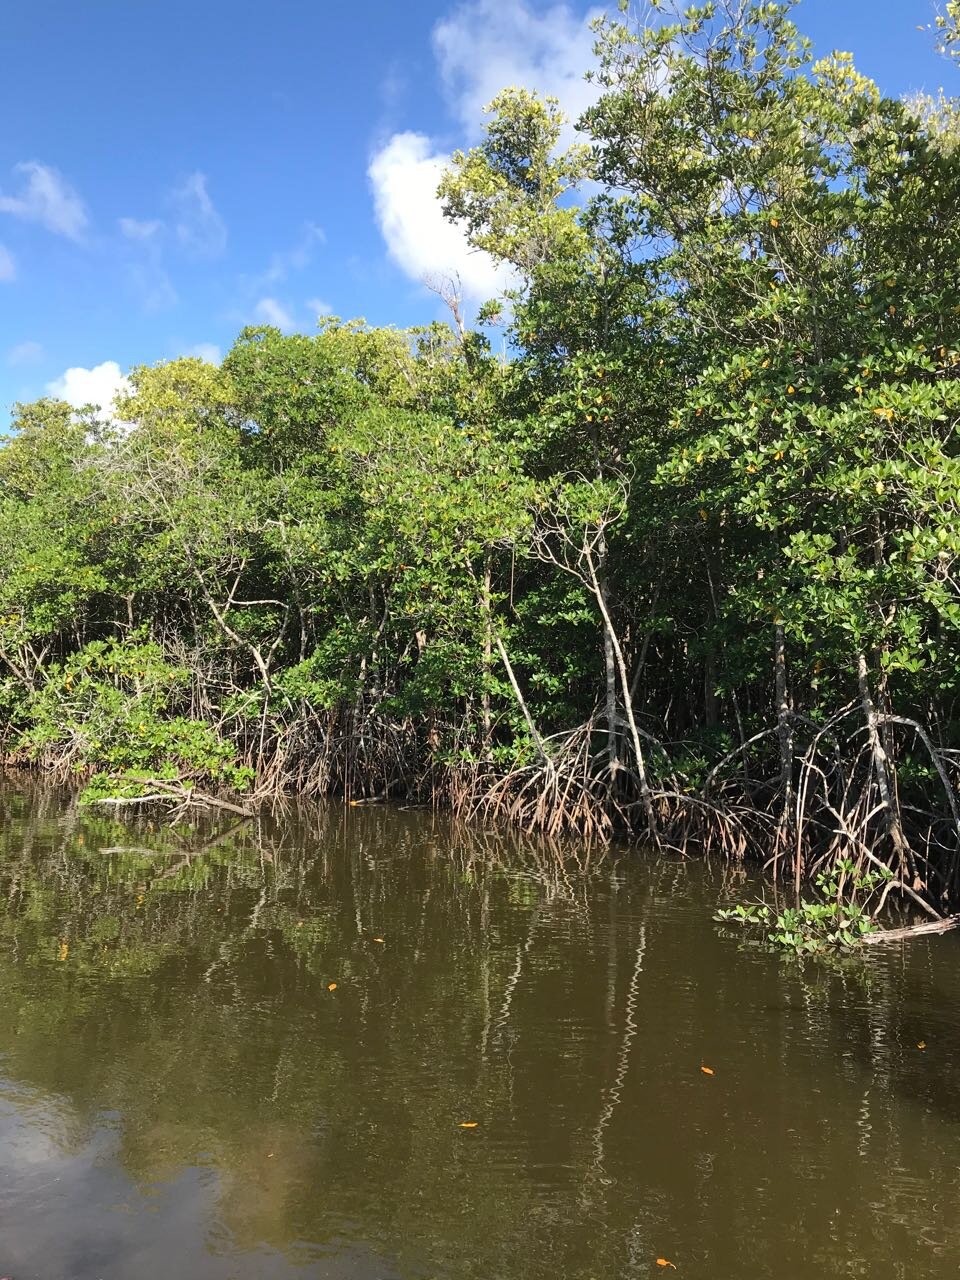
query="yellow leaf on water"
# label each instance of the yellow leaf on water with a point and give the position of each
(665, 1262)
(469, 1124)
(922, 1044)
(331, 986)
(64, 951)
(708, 1071)
(378, 939)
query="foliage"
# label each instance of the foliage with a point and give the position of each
(113, 708)
(836, 918)
(948, 29)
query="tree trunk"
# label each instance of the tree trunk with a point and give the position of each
(521, 702)
(611, 637)
(485, 714)
(881, 767)
(785, 736)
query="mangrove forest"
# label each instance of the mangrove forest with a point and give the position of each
(664, 547)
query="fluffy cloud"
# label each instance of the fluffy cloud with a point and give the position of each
(404, 175)
(25, 353)
(97, 386)
(270, 311)
(319, 307)
(47, 198)
(198, 226)
(8, 267)
(485, 46)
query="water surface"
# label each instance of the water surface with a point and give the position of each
(182, 1095)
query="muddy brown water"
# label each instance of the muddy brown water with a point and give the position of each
(183, 1095)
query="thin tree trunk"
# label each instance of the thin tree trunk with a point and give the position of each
(881, 766)
(609, 670)
(645, 793)
(521, 703)
(485, 714)
(610, 685)
(785, 736)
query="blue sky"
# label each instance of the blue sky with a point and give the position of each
(171, 171)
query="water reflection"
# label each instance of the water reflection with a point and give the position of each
(185, 1095)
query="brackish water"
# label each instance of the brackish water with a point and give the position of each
(182, 1095)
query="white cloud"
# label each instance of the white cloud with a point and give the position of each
(25, 353)
(405, 174)
(208, 351)
(46, 197)
(199, 228)
(485, 46)
(138, 229)
(270, 311)
(97, 386)
(8, 267)
(481, 47)
(319, 307)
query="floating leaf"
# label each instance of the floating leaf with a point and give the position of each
(708, 1071)
(469, 1124)
(64, 951)
(378, 939)
(922, 1044)
(665, 1262)
(331, 986)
